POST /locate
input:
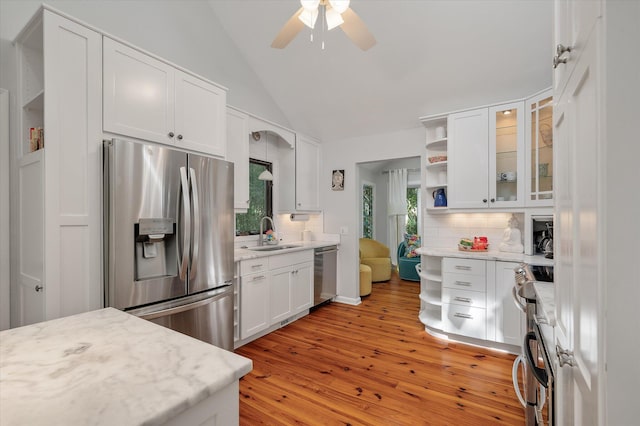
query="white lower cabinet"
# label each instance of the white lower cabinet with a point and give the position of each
(273, 289)
(464, 283)
(477, 303)
(508, 321)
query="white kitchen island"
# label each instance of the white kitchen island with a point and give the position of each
(107, 367)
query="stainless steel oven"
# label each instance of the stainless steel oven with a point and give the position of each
(535, 359)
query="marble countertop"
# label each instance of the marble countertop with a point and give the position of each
(107, 367)
(244, 254)
(545, 296)
(486, 255)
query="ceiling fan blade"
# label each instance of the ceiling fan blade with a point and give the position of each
(288, 31)
(356, 30)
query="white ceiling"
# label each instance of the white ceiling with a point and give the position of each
(432, 56)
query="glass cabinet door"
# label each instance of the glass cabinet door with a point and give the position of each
(540, 161)
(506, 153)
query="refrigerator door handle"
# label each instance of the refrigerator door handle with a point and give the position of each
(196, 223)
(183, 255)
(182, 308)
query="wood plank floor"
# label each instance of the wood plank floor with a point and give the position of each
(374, 364)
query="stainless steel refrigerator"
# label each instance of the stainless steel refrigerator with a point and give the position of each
(169, 238)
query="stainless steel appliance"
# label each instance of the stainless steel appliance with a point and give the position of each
(542, 237)
(169, 238)
(538, 377)
(324, 274)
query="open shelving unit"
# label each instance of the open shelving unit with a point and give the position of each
(431, 293)
(435, 176)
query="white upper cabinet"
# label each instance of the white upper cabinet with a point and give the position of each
(506, 155)
(486, 157)
(539, 150)
(468, 146)
(148, 99)
(307, 173)
(238, 153)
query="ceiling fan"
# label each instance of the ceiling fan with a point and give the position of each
(334, 13)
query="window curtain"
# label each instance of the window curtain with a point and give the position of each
(397, 210)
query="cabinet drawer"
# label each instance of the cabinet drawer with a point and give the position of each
(464, 320)
(253, 266)
(465, 282)
(288, 259)
(454, 296)
(464, 266)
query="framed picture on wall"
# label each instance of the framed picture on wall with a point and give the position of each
(337, 180)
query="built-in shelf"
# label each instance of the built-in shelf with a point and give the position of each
(431, 318)
(438, 165)
(431, 276)
(444, 185)
(437, 145)
(431, 300)
(437, 209)
(35, 103)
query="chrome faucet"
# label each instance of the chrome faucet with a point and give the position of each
(273, 227)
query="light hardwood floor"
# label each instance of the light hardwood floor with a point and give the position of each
(374, 364)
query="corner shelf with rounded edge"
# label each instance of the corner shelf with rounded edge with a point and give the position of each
(438, 165)
(431, 317)
(437, 144)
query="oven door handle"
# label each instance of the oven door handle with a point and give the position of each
(539, 373)
(516, 300)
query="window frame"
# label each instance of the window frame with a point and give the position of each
(268, 196)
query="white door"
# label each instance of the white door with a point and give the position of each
(138, 94)
(468, 170)
(579, 266)
(200, 115)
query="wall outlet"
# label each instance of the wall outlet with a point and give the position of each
(344, 230)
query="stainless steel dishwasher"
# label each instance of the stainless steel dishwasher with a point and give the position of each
(324, 274)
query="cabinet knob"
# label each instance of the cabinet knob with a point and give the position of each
(493, 200)
(179, 137)
(39, 288)
(484, 200)
(170, 134)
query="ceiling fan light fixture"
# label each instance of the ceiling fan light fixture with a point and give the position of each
(310, 4)
(333, 19)
(309, 17)
(339, 5)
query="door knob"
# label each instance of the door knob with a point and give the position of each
(557, 61)
(560, 49)
(39, 288)
(565, 357)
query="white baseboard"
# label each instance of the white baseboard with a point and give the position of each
(347, 300)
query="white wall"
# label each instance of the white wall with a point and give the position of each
(341, 208)
(185, 32)
(622, 206)
(446, 230)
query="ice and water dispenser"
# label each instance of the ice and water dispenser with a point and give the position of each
(156, 254)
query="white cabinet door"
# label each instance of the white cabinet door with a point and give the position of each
(280, 294)
(539, 150)
(138, 94)
(200, 115)
(238, 153)
(254, 309)
(73, 164)
(506, 155)
(302, 287)
(579, 269)
(307, 171)
(468, 147)
(509, 320)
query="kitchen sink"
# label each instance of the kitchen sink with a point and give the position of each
(272, 248)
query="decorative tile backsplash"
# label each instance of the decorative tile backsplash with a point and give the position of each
(445, 230)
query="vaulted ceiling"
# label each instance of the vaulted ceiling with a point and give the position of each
(431, 56)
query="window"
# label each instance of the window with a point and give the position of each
(412, 210)
(260, 200)
(367, 211)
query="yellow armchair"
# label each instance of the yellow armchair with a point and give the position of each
(377, 256)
